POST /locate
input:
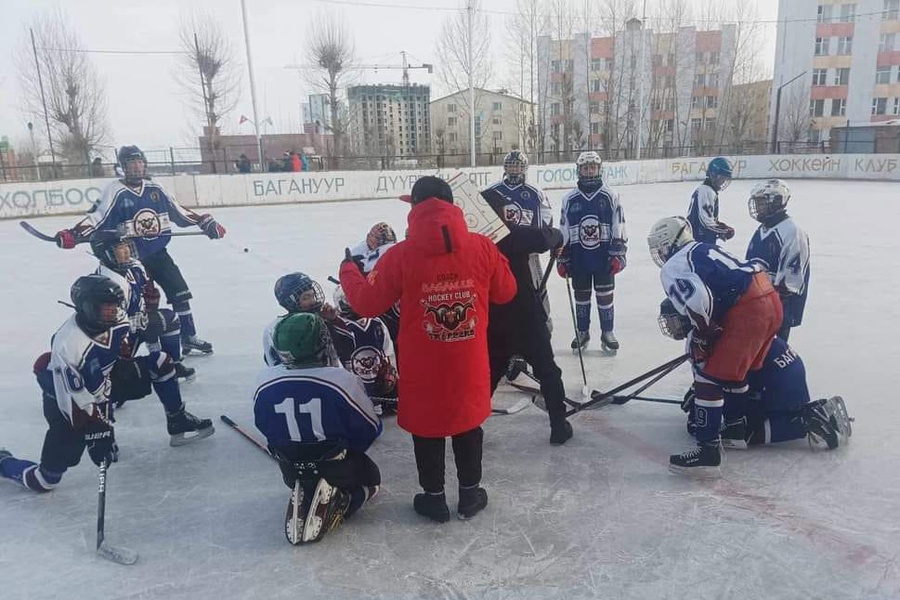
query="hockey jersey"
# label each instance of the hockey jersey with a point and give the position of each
(147, 213)
(132, 285)
(314, 405)
(703, 214)
(593, 228)
(525, 205)
(783, 252)
(364, 346)
(704, 282)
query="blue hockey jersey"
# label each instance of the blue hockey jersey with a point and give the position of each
(593, 228)
(364, 346)
(782, 379)
(783, 252)
(526, 205)
(314, 405)
(703, 214)
(146, 213)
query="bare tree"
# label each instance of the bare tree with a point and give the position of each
(332, 52)
(524, 26)
(209, 74)
(794, 119)
(74, 90)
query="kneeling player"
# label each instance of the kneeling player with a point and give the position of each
(318, 422)
(779, 407)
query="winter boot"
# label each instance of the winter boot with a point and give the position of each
(735, 434)
(581, 340)
(433, 506)
(608, 341)
(192, 344)
(703, 460)
(560, 433)
(184, 373)
(472, 500)
(182, 422)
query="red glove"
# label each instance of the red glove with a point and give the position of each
(211, 227)
(727, 232)
(66, 239)
(562, 268)
(151, 297)
(616, 264)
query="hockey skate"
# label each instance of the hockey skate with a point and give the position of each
(608, 342)
(325, 511)
(471, 502)
(827, 423)
(734, 434)
(182, 422)
(433, 506)
(185, 374)
(581, 341)
(193, 344)
(295, 517)
(560, 434)
(702, 460)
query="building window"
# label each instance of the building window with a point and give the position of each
(451, 108)
(596, 64)
(554, 109)
(609, 64)
(882, 75)
(896, 106)
(451, 137)
(656, 104)
(497, 121)
(670, 81)
(886, 42)
(822, 46)
(497, 106)
(670, 103)
(669, 125)
(710, 124)
(695, 101)
(714, 57)
(657, 58)
(848, 13)
(842, 76)
(696, 122)
(879, 106)
(816, 108)
(845, 45)
(633, 62)
(712, 102)
(555, 88)
(596, 85)
(594, 107)
(451, 121)
(891, 10)
(497, 135)
(838, 107)
(713, 80)
(823, 13)
(820, 77)
(699, 80)
(595, 128)
(670, 57)
(700, 58)
(554, 66)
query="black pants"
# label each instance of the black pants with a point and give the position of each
(163, 270)
(63, 446)
(538, 352)
(430, 454)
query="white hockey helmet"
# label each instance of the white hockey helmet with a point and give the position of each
(768, 199)
(584, 167)
(667, 236)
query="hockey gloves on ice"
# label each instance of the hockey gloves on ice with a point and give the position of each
(616, 264)
(100, 442)
(66, 239)
(211, 227)
(356, 260)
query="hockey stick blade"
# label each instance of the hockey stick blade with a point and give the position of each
(117, 554)
(41, 236)
(517, 407)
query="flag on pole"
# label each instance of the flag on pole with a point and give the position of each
(243, 120)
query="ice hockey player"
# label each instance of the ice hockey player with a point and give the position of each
(779, 408)
(594, 246)
(140, 208)
(782, 248)
(318, 422)
(364, 347)
(734, 312)
(444, 277)
(82, 376)
(158, 327)
(520, 327)
(703, 211)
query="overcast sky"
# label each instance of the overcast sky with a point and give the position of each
(147, 108)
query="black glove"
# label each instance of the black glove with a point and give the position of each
(128, 381)
(554, 238)
(101, 442)
(154, 327)
(356, 260)
(688, 402)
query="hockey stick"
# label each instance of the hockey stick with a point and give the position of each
(543, 287)
(122, 556)
(605, 398)
(517, 407)
(585, 392)
(636, 393)
(630, 397)
(82, 239)
(246, 435)
(536, 391)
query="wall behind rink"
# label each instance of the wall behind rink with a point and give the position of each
(19, 200)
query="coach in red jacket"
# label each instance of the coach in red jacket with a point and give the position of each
(444, 277)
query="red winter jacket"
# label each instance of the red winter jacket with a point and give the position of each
(444, 277)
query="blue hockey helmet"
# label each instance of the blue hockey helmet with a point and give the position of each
(719, 172)
(297, 292)
(515, 166)
(133, 163)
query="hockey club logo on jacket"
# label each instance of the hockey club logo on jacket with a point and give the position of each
(449, 311)
(366, 363)
(146, 224)
(591, 232)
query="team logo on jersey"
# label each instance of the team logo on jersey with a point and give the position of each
(450, 317)
(512, 213)
(146, 224)
(154, 196)
(366, 363)
(590, 232)
(525, 194)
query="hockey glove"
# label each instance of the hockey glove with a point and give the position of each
(128, 381)
(687, 404)
(151, 297)
(616, 264)
(554, 238)
(211, 227)
(356, 260)
(701, 346)
(65, 239)
(100, 441)
(727, 232)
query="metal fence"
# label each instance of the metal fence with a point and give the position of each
(189, 161)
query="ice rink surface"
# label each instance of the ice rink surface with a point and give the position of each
(597, 518)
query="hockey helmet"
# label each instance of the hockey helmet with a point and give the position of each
(133, 163)
(672, 323)
(768, 199)
(297, 292)
(667, 236)
(302, 339)
(589, 167)
(113, 250)
(342, 305)
(515, 166)
(379, 235)
(99, 303)
(719, 172)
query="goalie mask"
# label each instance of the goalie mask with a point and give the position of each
(113, 251)
(297, 292)
(667, 236)
(768, 199)
(379, 235)
(515, 166)
(672, 323)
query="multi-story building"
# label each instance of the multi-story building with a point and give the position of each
(389, 120)
(837, 62)
(501, 124)
(317, 112)
(599, 92)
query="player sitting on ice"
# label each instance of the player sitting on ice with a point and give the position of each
(703, 211)
(779, 408)
(364, 347)
(318, 422)
(82, 376)
(158, 327)
(734, 312)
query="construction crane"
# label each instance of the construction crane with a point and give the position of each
(405, 66)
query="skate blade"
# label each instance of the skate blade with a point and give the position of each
(697, 472)
(189, 379)
(116, 554)
(314, 523)
(180, 439)
(607, 351)
(734, 444)
(292, 524)
(195, 352)
(842, 418)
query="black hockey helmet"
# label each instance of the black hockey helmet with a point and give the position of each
(113, 250)
(99, 303)
(129, 157)
(672, 323)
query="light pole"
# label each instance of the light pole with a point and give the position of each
(259, 147)
(469, 10)
(641, 92)
(778, 110)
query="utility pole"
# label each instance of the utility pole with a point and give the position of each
(259, 147)
(37, 65)
(778, 110)
(640, 124)
(470, 9)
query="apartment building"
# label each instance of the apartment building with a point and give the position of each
(389, 120)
